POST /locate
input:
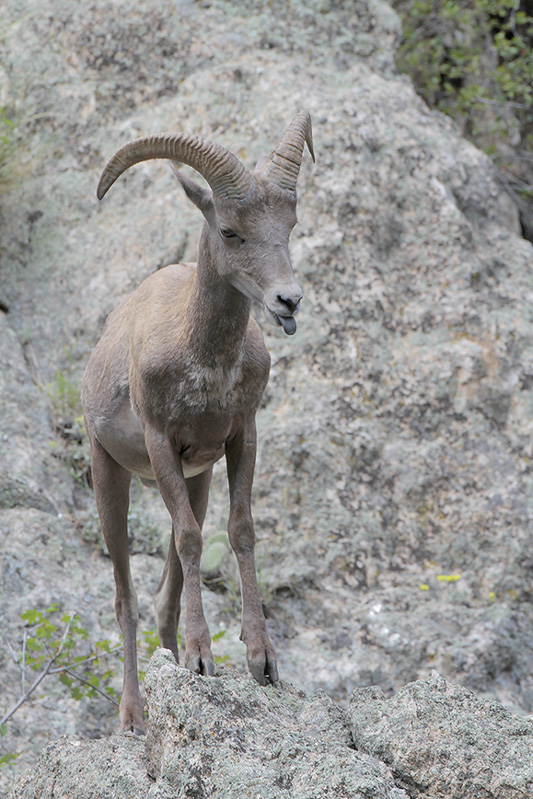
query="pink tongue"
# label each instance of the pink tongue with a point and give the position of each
(289, 324)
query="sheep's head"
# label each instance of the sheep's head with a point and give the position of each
(249, 215)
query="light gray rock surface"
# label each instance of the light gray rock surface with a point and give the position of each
(228, 737)
(441, 741)
(109, 768)
(393, 488)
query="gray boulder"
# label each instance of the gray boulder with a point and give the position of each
(110, 768)
(227, 736)
(442, 742)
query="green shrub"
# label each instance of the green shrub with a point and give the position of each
(463, 56)
(473, 60)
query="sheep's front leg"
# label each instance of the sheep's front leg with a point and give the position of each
(168, 592)
(240, 457)
(188, 540)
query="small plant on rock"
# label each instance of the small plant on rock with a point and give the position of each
(72, 447)
(55, 643)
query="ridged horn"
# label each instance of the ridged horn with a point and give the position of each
(283, 166)
(223, 171)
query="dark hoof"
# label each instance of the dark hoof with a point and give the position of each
(264, 671)
(204, 666)
(208, 668)
(132, 717)
(132, 728)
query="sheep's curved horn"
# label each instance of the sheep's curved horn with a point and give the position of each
(283, 166)
(223, 171)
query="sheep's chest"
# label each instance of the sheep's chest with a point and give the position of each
(190, 392)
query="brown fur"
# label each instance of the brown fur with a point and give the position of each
(173, 386)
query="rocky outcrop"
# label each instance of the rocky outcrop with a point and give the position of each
(441, 741)
(228, 737)
(110, 768)
(394, 484)
(225, 737)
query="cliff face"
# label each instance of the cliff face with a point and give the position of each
(227, 736)
(393, 484)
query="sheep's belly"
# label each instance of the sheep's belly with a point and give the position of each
(122, 437)
(198, 463)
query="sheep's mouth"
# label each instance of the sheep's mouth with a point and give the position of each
(288, 324)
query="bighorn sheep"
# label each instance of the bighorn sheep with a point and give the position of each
(177, 377)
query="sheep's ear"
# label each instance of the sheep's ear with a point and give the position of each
(202, 198)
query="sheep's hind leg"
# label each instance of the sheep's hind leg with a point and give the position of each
(167, 600)
(168, 594)
(111, 488)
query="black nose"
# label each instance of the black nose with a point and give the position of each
(292, 303)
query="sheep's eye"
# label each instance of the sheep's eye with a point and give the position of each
(227, 233)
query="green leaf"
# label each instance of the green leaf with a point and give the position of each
(65, 679)
(81, 632)
(8, 758)
(32, 616)
(33, 645)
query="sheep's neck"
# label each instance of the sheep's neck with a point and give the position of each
(218, 314)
